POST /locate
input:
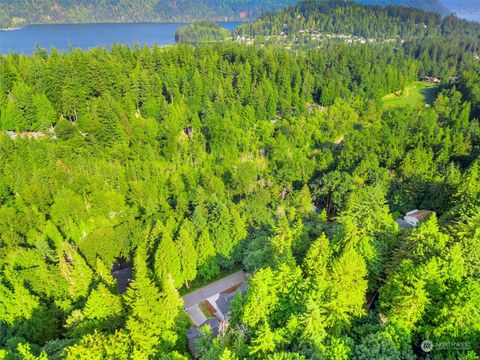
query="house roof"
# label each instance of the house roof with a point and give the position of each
(223, 304)
(402, 224)
(224, 301)
(123, 278)
(214, 324)
(243, 288)
(229, 297)
(192, 333)
(419, 214)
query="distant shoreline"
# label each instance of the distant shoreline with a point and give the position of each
(10, 28)
(224, 21)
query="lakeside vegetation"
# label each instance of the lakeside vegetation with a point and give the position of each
(201, 32)
(189, 162)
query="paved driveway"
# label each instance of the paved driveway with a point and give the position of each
(214, 288)
(196, 315)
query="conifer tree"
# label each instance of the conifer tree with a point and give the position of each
(348, 287)
(17, 304)
(317, 259)
(103, 306)
(76, 271)
(187, 252)
(207, 263)
(152, 313)
(167, 261)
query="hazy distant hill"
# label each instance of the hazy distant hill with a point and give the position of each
(468, 9)
(20, 12)
(427, 5)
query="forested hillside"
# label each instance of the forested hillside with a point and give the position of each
(20, 12)
(186, 163)
(369, 22)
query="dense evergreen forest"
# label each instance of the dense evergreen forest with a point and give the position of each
(190, 162)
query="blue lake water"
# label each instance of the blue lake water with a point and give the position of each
(86, 36)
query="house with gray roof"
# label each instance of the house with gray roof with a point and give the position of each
(221, 306)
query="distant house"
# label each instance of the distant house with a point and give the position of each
(413, 218)
(123, 274)
(192, 335)
(402, 224)
(26, 135)
(431, 79)
(315, 209)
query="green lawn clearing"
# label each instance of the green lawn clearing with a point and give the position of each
(413, 94)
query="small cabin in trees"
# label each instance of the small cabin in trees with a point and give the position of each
(413, 218)
(431, 79)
